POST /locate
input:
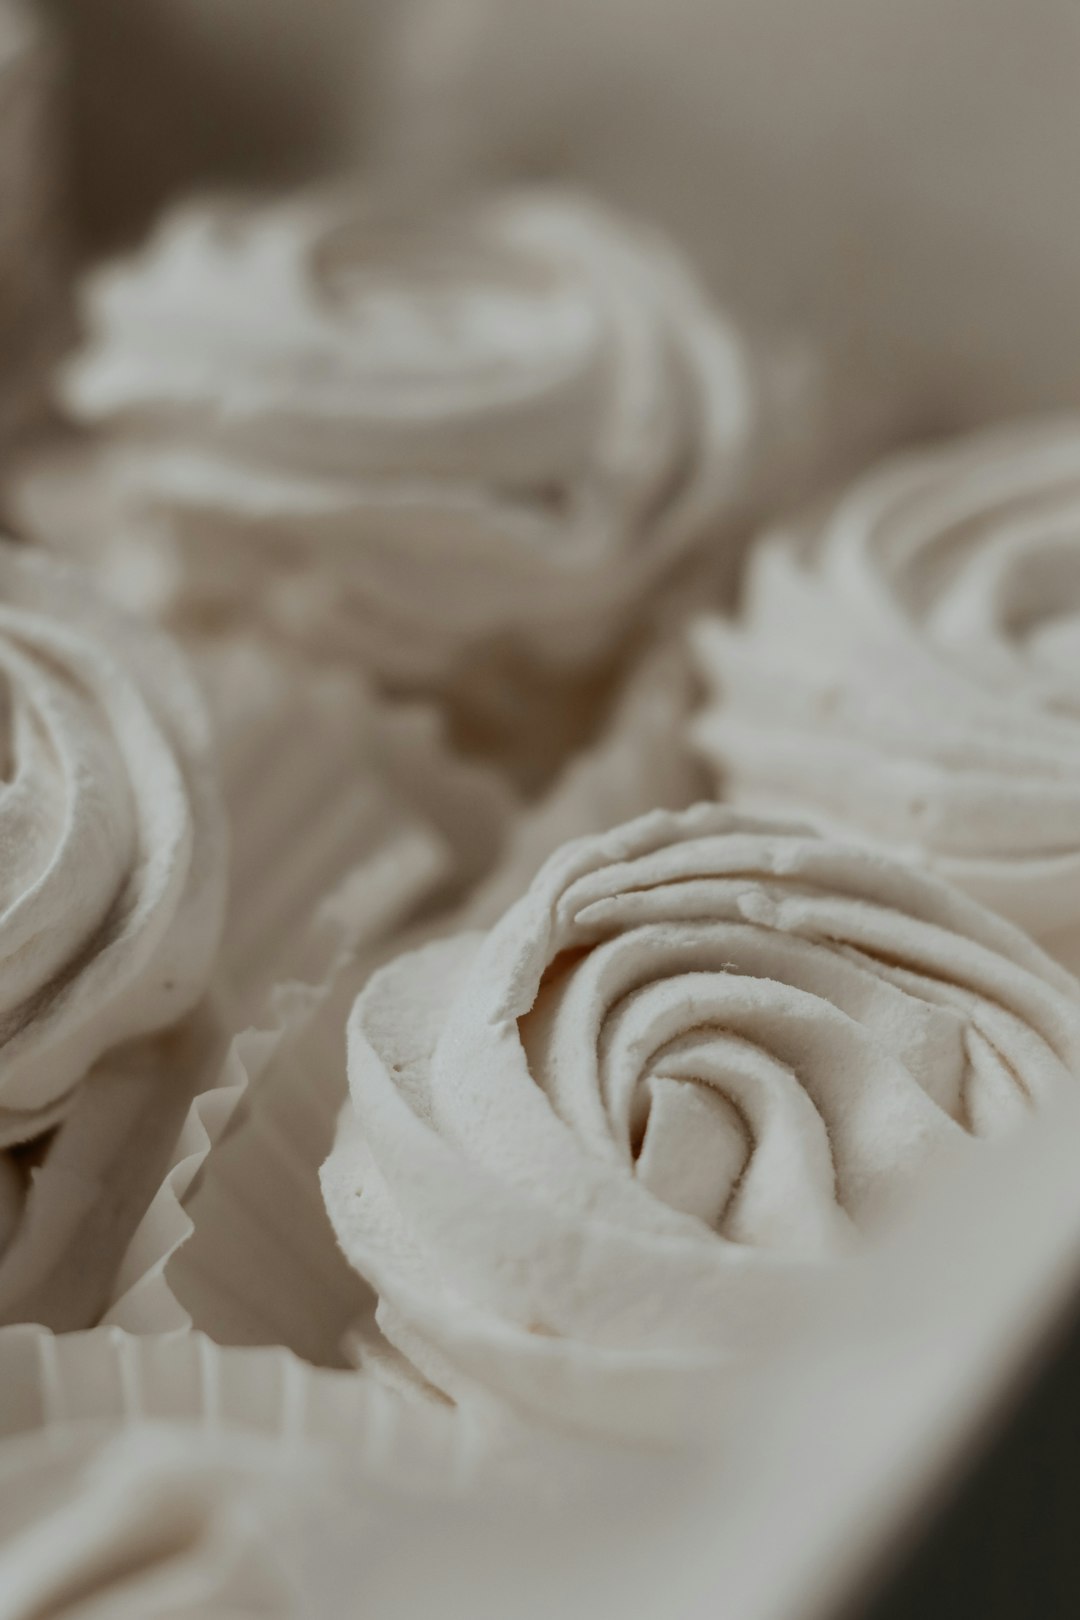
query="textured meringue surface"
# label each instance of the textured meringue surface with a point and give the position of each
(111, 834)
(596, 1159)
(409, 440)
(907, 666)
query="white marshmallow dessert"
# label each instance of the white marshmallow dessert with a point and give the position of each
(596, 1159)
(112, 840)
(461, 452)
(906, 667)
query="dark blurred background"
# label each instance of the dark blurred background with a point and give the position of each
(896, 176)
(1006, 1543)
(165, 94)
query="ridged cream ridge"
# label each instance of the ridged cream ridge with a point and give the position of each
(905, 668)
(479, 437)
(596, 1159)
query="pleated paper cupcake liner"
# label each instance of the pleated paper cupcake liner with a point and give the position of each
(95, 1176)
(329, 855)
(109, 1378)
(346, 815)
(237, 1241)
(350, 820)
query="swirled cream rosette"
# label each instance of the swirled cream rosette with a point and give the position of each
(113, 871)
(596, 1159)
(461, 451)
(906, 667)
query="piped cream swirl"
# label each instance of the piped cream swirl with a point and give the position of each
(111, 838)
(410, 442)
(595, 1158)
(908, 667)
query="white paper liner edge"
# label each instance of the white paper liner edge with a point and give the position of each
(142, 1300)
(110, 1378)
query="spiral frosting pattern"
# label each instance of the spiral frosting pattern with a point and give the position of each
(111, 838)
(410, 441)
(907, 669)
(596, 1156)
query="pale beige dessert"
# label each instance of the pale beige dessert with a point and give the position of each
(114, 873)
(596, 1159)
(906, 667)
(462, 453)
(159, 1479)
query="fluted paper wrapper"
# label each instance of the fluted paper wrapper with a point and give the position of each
(108, 1377)
(350, 821)
(345, 814)
(156, 1467)
(135, 1469)
(238, 1241)
(96, 1177)
(331, 850)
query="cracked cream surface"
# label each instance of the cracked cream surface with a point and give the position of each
(407, 443)
(596, 1158)
(112, 842)
(908, 668)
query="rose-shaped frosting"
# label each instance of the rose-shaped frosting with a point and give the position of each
(111, 838)
(407, 442)
(908, 667)
(596, 1157)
